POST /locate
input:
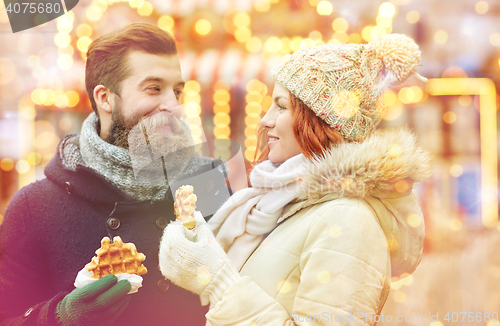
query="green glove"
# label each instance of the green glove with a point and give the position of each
(98, 303)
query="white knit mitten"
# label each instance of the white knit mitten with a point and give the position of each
(193, 260)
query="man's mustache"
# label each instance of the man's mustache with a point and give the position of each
(150, 124)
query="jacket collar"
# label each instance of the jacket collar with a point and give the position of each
(385, 165)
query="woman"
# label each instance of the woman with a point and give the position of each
(323, 228)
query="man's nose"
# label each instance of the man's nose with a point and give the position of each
(171, 105)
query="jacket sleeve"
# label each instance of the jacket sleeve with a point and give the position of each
(344, 264)
(23, 274)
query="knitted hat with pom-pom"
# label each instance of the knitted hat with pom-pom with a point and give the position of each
(344, 83)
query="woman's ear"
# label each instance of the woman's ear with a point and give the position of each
(103, 98)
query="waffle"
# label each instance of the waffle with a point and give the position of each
(116, 258)
(184, 206)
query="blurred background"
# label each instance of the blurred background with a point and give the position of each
(227, 49)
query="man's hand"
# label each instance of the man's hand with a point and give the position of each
(98, 303)
(193, 260)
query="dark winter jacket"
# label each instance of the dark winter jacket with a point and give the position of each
(52, 228)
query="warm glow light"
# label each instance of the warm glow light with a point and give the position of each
(64, 25)
(146, 9)
(485, 88)
(83, 44)
(377, 31)
(324, 277)
(396, 285)
(262, 5)
(495, 39)
(355, 38)
(385, 22)
(341, 37)
(254, 44)
(315, 35)
(366, 33)
(65, 61)
(62, 40)
(387, 9)
(455, 224)
(436, 323)
(286, 45)
(407, 279)
(390, 98)
(65, 124)
(449, 117)
(324, 8)
(166, 23)
(340, 25)
(94, 13)
(414, 220)
(412, 17)
(83, 30)
(482, 7)
(22, 166)
(135, 3)
(296, 41)
(399, 296)
(73, 98)
(242, 34)
(7, 164)
(61, 101)
(441, 37)
(241, 20)
(464, 100)
(393, 112)
(203, 27)
(273, 44)
(456, 170)
(34, 158)
(307, 43)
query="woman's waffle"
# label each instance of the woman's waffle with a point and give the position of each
(116, 258)
(184, 206)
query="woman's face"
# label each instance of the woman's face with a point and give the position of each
(278, 123)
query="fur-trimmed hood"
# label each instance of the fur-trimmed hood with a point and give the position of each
(388, 162)
(381, 171)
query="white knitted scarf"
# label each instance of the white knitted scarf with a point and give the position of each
(241, 223)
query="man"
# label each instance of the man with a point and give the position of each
(53, 226)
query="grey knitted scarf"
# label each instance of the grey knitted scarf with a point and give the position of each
(114, 163)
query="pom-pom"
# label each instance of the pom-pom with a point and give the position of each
(399, 54)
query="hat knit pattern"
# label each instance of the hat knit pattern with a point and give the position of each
(344, 83)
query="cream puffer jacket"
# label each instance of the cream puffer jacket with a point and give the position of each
(331, 257)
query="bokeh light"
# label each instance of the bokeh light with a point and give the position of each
(414, 220)
(495, 39)
(324, 8)
(22, 166)
(7, 164)
(441, 36)
(412, 17)
(387, 9)
(456, 170)
(340, 25)
(83, 44)
(449, 117)
(84, 30)
(145, 9)
(481, 7)
(166, 23)
(65, 61)
(203, 27)
(254, 44)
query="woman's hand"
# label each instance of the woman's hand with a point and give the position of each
(193, 260)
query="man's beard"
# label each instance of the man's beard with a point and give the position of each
(154, 151)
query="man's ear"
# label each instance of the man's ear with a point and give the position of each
(103, 98)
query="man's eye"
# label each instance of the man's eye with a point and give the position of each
(281, 107)
(154, 88)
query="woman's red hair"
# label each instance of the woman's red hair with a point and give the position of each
(313, 135)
